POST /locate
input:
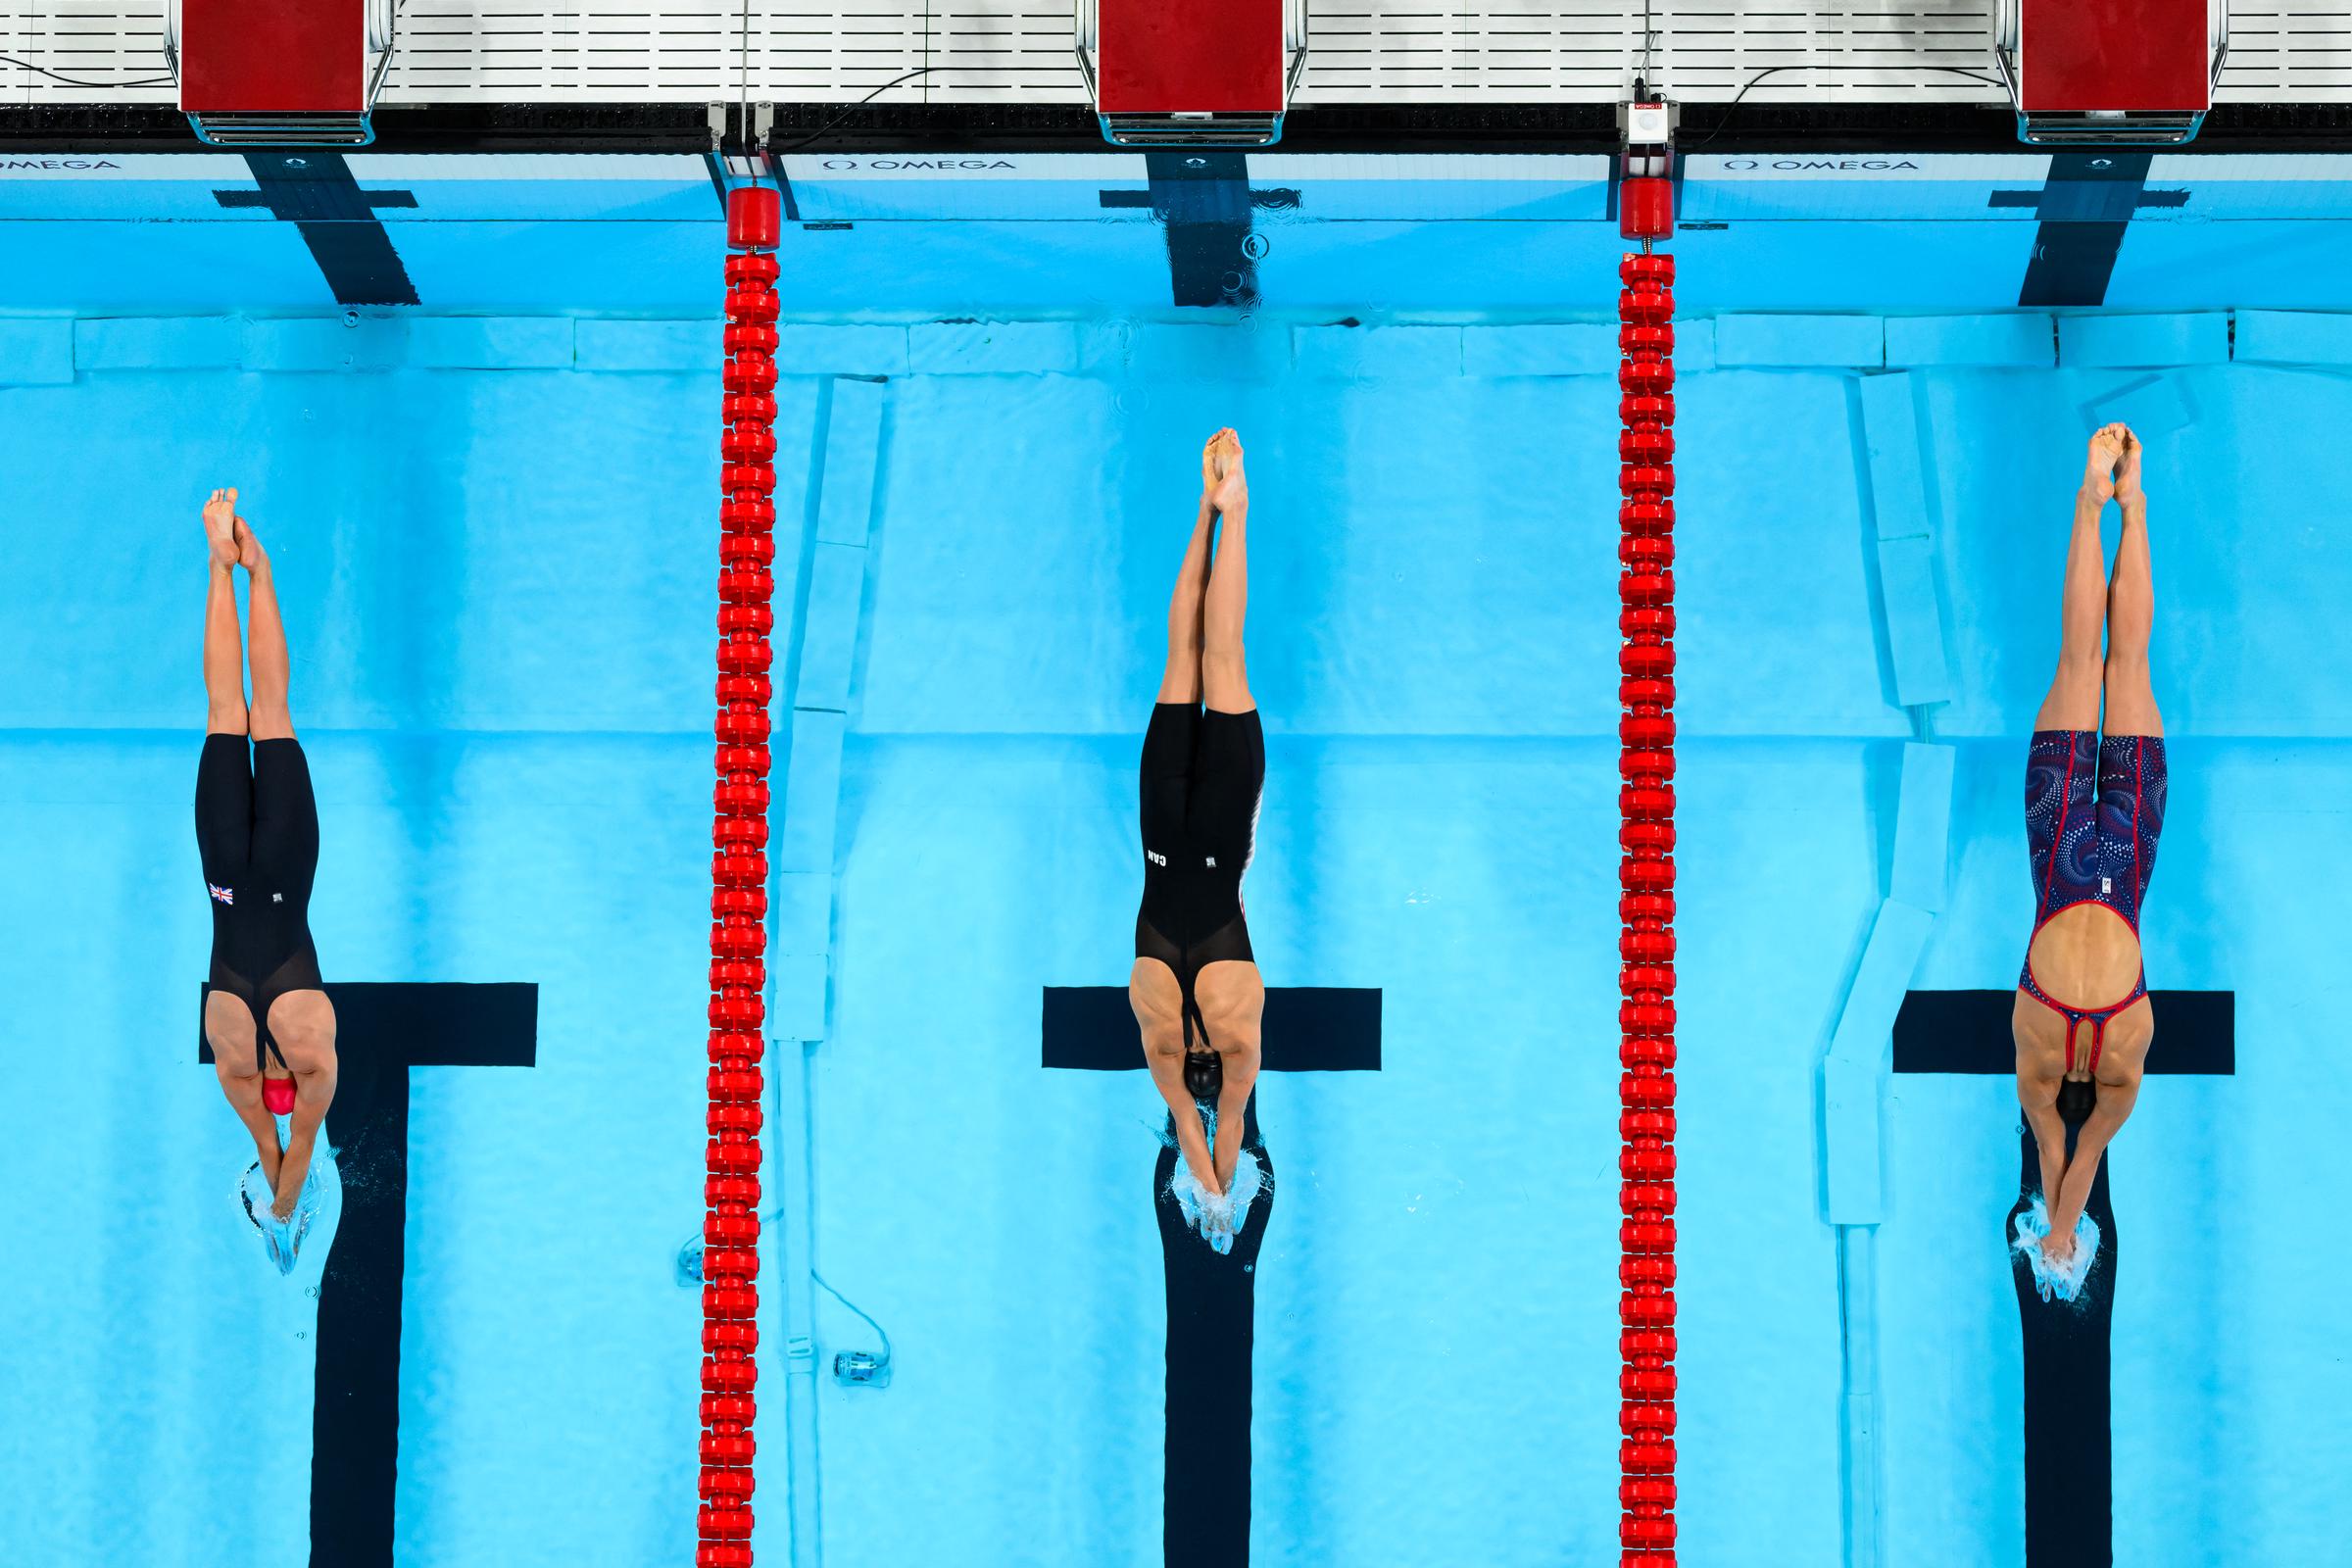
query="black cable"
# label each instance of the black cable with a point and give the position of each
(1958, 70)
(860, 1310)
(827, 127)
(44, 71)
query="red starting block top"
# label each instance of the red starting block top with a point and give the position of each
(243, 56)
(2143, 55)
(1172, 57)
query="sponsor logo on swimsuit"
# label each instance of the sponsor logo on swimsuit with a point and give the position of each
(1213, 862)
(277, 897)
(1156, 857)
(2106, 886)
(225, 894)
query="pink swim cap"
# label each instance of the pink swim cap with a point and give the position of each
(277, 1094)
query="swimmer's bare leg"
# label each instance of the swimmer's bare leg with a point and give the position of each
(2073, 703)
(2130, 611)
(1180, 680)
(1224, 674)
(223, 650)
(273, 719)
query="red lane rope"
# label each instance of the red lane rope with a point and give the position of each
(747, 552)
(1645, 909)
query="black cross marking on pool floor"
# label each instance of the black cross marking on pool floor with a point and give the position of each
(1205, 1488)
(1203, 199)
(382, 1031)
(2085, 205)
(2070, 1455)
(318, 193)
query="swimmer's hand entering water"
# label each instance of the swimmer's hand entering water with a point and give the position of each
(2058, 1247)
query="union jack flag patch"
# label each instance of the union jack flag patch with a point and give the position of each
(226, 896)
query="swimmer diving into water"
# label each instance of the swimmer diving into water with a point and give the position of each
(2094, 807)
(270, 1026)
(1196, 990)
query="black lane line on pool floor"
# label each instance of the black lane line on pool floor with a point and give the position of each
(317, 192)
(1968, 1031)
(2069, 1432)
(382, 1031)
(2085, 205)
(1204, 203)
(1212, 1297)
(1305, 1029)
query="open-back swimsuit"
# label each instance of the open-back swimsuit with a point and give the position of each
(2094, 809)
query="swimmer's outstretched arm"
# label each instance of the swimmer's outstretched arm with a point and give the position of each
(314, 1092)
(1232, 1105)
(2037, 1095)
(2107, 1118)
(245, 1099)
(1167, 1076)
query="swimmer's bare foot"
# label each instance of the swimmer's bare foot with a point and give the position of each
(250, 554)
(2098, 469)
(2126, 472)
(1230, 492)
(1212, 459)
(220, 526)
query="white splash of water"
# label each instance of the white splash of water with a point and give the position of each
(2063, 1280)
(1218, 1217)
(317, 1212)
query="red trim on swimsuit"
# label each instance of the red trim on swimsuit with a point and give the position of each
(2097, 1017)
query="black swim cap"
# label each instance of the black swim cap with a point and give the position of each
(1204, 1075)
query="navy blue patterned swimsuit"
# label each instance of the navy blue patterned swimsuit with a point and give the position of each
(2094, 809)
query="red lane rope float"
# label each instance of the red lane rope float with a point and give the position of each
(747, 553)
(1645, 909)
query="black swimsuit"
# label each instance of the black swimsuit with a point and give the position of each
(256, 832)
(1202, 774)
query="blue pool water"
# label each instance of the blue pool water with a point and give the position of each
(495, 542)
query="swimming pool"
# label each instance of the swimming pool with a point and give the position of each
(489, 511)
